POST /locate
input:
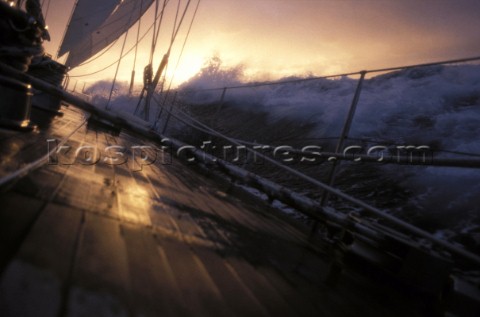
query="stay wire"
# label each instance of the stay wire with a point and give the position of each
(118, 65)
(138, 36)
(152, 46)
(116, 71)
(180, 23)
(179, 57)
(165, 3)
(174, 36)
(156, 31)
(176, 19)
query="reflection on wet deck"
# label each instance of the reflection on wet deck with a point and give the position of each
(105, 240)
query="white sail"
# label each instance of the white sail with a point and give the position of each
(86, 18)
(126, 15)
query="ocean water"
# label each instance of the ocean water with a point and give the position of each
(437, 107)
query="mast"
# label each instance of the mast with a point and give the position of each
(150, 88)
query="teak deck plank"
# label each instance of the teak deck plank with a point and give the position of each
(153, 286)
(101, 275)
(106, 240)
(35, 280)
(15, 223)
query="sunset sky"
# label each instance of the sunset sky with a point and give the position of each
(275, 38)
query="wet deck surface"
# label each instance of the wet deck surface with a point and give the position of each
(109, 240)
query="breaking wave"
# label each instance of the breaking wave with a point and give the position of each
(435, 106)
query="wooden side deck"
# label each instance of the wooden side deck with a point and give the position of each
(107, 240)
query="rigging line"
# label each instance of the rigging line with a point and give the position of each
(160, 23)
(157, 31)
(460, 153)
(116, 71)
(138, 36)
(185, 43)
(180, 23)
(152, 49)
(177, 28)
(128, 52)
(162, 88)
(373, 210)
(199, 126)
(132, 79)
(180, 56)
(176, 19)
(161, 68)
(118, 65)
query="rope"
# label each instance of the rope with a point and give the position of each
(148, 70)
(378, 212)
(179, 58)
(176, 19)
(180, 23)
(110, 65)
(152, 49)
(204, 128)
(160, 23)
(151, 88)
(116, 71)
(176, 66)
(132, 80)
(138, 36)
(199, 128)
(118, 65)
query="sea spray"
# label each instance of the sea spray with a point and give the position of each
(438, 107)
